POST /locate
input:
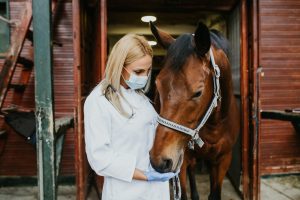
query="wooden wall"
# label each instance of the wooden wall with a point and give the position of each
(19, 158)
(279, 50)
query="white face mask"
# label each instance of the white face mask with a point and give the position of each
(136, 82)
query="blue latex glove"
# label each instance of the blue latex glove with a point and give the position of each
(156, 176)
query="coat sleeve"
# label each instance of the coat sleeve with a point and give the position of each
(103, 159)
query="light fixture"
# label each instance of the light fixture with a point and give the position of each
(148, 18)
(152, 43)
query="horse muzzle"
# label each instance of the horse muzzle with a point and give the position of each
(165, 164)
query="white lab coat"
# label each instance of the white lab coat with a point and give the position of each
(115, 146)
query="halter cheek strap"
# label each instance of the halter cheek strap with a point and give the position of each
(194, 133)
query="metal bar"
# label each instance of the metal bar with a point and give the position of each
(61, 127)
(59, 149)
(244, 99)
(280, 115)
(42, 36)
(10, 22)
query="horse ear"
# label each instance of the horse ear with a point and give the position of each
(163, 38)
(202, 39)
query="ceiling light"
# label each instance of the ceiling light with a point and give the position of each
(148, 18)
(152, 43)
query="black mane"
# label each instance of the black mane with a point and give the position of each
(219, 41)
(184, 46)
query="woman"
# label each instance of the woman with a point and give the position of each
(120, 125)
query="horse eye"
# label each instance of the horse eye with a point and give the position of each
(197, 94)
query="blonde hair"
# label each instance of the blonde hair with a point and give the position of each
(127, 50)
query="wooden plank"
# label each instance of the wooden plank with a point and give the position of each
(280, 115)
(44, 99)
(280, 87)
(18, 38)
(27, 65)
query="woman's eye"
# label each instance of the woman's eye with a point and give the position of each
(138, 72)
(197, 94)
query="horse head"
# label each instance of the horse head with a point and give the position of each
(185, 90)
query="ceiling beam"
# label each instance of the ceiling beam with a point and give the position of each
(119, 29)
(142, 7)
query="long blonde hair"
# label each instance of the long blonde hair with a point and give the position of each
(127, 50)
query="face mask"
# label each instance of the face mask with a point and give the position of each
(136, 82)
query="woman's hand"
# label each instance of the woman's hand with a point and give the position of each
(139, 175)
(156, 176)
(153, 175)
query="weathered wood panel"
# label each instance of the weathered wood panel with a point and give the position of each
(279, 47)
(19, 158)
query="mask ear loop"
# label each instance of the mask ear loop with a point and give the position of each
(123, 76)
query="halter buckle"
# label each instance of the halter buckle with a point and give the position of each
(217, 71)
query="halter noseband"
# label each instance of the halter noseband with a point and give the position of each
(194, 132)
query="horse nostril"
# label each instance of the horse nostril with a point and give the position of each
(168, 163)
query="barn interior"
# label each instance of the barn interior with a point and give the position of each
(179, 17)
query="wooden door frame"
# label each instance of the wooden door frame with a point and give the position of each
(250, 78)
(254, 133)
(98, 67)
(244, 98)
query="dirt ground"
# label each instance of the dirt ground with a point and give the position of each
(272, 188)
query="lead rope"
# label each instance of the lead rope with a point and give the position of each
(176, 188)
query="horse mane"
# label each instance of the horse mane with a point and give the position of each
(180, 50)
(184, 46)
(219, 41)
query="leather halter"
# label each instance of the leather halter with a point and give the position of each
(194, 133)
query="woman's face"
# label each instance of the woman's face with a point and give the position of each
(140, 67)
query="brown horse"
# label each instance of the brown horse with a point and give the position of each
(185, 88)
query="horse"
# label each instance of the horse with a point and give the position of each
(194, 89)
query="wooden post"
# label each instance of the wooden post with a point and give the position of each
(42, 36)
(254, 147)
(245, 99)
(103, 33)
(80, 159)
(82, 62)
(100, 49)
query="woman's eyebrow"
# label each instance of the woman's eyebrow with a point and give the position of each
(148, 67)
(139, 69)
